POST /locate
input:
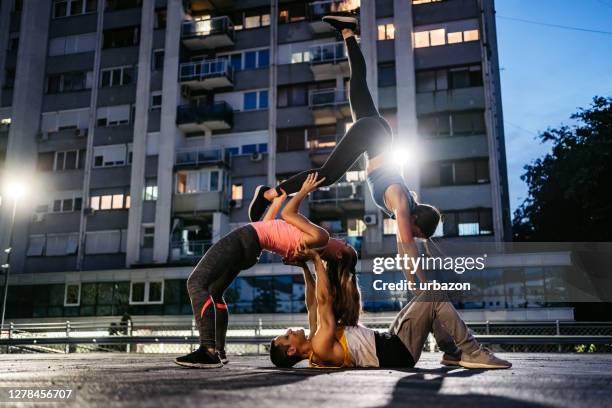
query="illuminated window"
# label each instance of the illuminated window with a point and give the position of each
(454, 38)
(237, 192)
(425, 1)
(389, 226)
(437, 37)
(471, 35)
(421, 39)
(452, 32)
(386, 32)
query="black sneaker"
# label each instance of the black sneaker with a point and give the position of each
(223, 356)
(341, 22)
(258, 205)
(201, 358)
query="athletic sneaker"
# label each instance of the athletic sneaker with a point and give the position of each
(201, 358)
(258, 205)
(223, 356)
(482, 357)
(340, 22)
(451, 359)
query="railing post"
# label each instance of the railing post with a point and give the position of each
(129, 333)
(258, 333)
(67, 347)
(559, 348)
(193, 326)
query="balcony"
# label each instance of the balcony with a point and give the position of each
(193, 203)
(188, 251)
(329, 105)
(201, 117)
(191, 158)
(208, 34)
(206, 75)
(318, 9)
(338, 198)
(320, 146)
(327, 61)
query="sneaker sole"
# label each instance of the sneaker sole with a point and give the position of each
(199, 365)
(465, 364)
(225, 361)
(450, 363)
(253, 201)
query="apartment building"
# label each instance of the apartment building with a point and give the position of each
(142, 127)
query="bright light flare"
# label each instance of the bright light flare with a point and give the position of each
(15, 190)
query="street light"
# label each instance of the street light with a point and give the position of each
(13, 190)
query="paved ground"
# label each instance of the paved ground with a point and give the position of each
(536, 380)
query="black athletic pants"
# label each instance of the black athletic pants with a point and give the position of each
(237, 251)
(369, 134)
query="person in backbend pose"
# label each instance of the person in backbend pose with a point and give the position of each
(240, 250)
(372, 135)
(333, 345)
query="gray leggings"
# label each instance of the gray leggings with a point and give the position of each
(235, 252)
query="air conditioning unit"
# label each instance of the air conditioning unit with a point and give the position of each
(256, 157)
(38, 217)
(370, 219)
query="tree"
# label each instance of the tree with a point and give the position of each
(570, 189)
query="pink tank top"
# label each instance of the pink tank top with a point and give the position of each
(278, 236)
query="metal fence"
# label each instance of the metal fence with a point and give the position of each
(180, 336)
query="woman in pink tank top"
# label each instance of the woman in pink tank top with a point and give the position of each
(240, 250)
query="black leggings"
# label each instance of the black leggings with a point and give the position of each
(235, 252)
(370, 133)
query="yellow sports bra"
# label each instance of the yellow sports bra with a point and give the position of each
(348, 358)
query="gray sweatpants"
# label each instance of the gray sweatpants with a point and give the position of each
(432, 312)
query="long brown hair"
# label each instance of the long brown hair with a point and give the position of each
(345, 289)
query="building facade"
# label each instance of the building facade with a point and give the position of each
(142, 127)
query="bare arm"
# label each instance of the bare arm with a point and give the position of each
(309, 295)
(314, 236)
(275, 207)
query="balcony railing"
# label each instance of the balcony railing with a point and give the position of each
(328, 53)
(327, 97)
(201, 156)
(211, 26)
(318, 9)
(191, 250)
(199, 71)
(200, 113)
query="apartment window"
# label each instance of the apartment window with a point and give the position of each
(68, 119)
(121, 37)
(72, 294)
(452, 78)
(158, 60)
(36, 245)
(161, 16)
(255, 148)
(68, 82)
(386, 32)
(386, 75)
(156, 100)
(389, 226)
(150, 190)
(151, 292)
(290, 139)
(461, 172)
(203, 181)
(110, 156)
(70, 204)
(148, 235)
(117, 76)
(300, 56)
(253, 19)
(237, 192)
(109, 202)
(452, 124)
(65, 8)
(468, 222)
(454, 32)
(113, 115)
(61, 244)
(293, 95)
(72, 44)
(105, 242)
(249, 59)
(255, 100)
(68, 160)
